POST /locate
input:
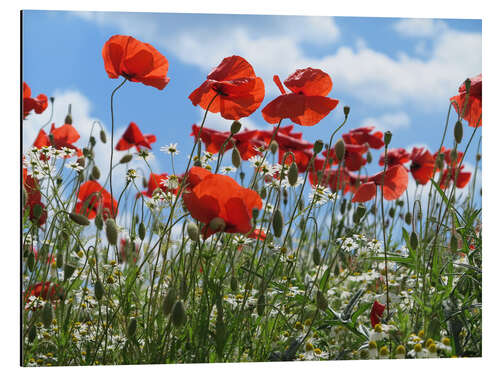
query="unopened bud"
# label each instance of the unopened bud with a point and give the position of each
(293, 174)
(234, 284)
(169, 301)
(318, 146)
(179, 317)
(32, 333)
(96, 173)
(340, 149)
(321, 301)
(125, 159)
(193, 232)
(392, 212)
(217, 224)
(142, 231)
(387, 137)
(99, 289)
(261, 304)
(458, 131)
(236, 158)
(132, 327)
(111, 231)
(92, 141)
(277, 223)
(316, 256)
(478, 157)
(408, 218)
(273, 147)
(98, 221)
(68, 119)
(347, 109)
(359, 213)
(263, 192)
(235, 127)
(102, 135)
(79, 219)
(413, 240)
(369, 157)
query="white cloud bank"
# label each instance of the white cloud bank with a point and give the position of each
(389, 121)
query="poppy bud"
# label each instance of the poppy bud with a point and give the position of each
(69, 269)
(169, 301)
(454, 243)
(318, 146)
(132, 327)
(99, 289)
(102, 135)
(293, 174)
(263, 192)
(392, 212)
(32, 333)
(413, 240)
(467, 85)
(387, 137)
(92, 140)
(96, 173)
(261, 304)
(369, 157)
(340, 149)
(236, 158)
(81, 162)
(125, 159)
(111, 231)
(274, 147)
(234, 284)
(47, 314)
(358, 214)
(68, 119)
(347, 109)
(277, 223)
(142, 231)
(235, 127)
(285, 197)
(179, 317)
(321, 301)
(316, 256)
(458, 131)
(408, 218)
(79, 219)
(217, 224)
(31, 261)
(193, 232)
(98, 221)
(400, 203)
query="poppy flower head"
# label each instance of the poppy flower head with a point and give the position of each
(93, 199)
(156, 182)
(422, 165)
(393, 184)
(307, 104)
(353, 156)
(212, 139)
(136, 61)
(454, 175)
(134, 137)
(395, 156)
(63, 136)
(34, 199)
(376, 313)
(239, 91)
(46, 291)
(470, 109)
(363, 135)
(38, 104)
(219, 199)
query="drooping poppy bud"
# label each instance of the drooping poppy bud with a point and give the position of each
(277, 223)
(193, 231)
(458, 131)
(111, 231)
(79, 219)
(169, 301)
(179, 316)
(340, 149)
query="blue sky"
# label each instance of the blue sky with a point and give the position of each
(396, 74)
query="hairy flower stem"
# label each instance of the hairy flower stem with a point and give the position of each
(384, 235)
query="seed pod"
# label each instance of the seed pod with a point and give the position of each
(96, 173)
(69, 269)
(235, 127)
(79, 219)
(236, 158)
(316, 256)
(179, 317)
(234, 284)
(261, 304)
(217, 224)
(142, 231)
(102, 135)
(31, 261)
(32, 333)
(273, 147)
(92, 141)
(408, 218)
(339, 149)
(293, 174)
(98, 221)
(99, 289)
(132, 327)
(193, 232)
(263, 192)
(321, 301)
(458, 131)
(387, 137)
(169, 301)
(413, 240)
(347, 109)
(111, 231)
(454, 243)
(277, 223)
(125, 159)
(318, 146)
(47, 314)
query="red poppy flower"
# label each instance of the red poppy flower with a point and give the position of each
(215, 196)
(363, 135)
(63, 136)
(38, 104)
(449, 175)
(422, 165)
(257, 234)
(156, 182)
(336, 179)
(395, 183)
(353, 156)
(472, 113)
(134, 137)
(46, 290)
(376, 313)
(302, 158)
(447, 156)
(137, 61)
(93, 198)
(34, 198)
(395, 156)
(240, 91)
(307, 104)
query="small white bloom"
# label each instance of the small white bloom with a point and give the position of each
(170, 149)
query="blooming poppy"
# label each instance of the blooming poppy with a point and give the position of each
(46, 290)
(395, 183)
(363, 135)
(38, 104)
(31, 185)
(422, 165)
(93, 198)
(472, 111)
(336, 179)
(134, 137)
(302, 159)
(307, 104)
(353, 156)
(395, 156)
(376, 313)
(257, 234)
(136, 61)
(63, 136)
(212, 139)
(156, 181)
(449, 175)
(220, 202)
(239, 91)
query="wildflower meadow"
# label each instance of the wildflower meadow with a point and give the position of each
(266, 245)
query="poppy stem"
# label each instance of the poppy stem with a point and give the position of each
(112, 147)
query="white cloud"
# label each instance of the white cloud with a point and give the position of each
(217, 122)
(389, 121)
(420, 27)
